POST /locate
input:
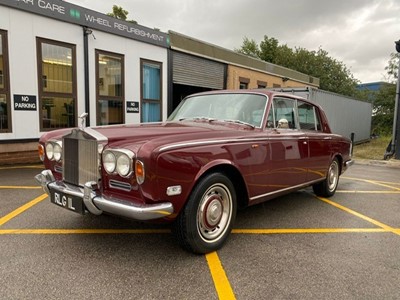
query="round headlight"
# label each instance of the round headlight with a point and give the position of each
(124, 165)
(109, 162)
(50, 151)
(57, 152)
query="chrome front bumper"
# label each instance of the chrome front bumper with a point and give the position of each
(349, 163)
(97, 204)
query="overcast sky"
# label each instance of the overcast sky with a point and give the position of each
(360, 33)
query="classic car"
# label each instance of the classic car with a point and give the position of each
(217, 152)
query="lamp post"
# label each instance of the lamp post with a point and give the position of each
(396, 118)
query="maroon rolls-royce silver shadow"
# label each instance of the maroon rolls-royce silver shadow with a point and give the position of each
(217, 152)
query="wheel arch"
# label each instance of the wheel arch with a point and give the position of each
(340, 161)
(234, 175)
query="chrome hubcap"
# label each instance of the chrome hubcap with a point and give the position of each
(333, 176)
(214, 213)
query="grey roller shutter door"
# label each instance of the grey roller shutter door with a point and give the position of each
(196, 71)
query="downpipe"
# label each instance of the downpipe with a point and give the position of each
(391, 149)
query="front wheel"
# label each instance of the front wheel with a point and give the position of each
(327, 188)
(206, 221)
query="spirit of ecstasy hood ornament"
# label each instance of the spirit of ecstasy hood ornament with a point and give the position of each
(83, 121)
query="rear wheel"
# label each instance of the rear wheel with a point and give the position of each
(206, 221)
(327, 188)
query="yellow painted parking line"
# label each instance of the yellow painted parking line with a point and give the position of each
(21, 209)
(367, 192)
(307, 230)
(382, 184)
(221, 282)
(376, 182)
(12, 187)
(161, 231)
(83, 231)
(368, 219)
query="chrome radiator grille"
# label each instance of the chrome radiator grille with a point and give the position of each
(80, 158)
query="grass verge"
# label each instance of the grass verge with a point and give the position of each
(375, 149)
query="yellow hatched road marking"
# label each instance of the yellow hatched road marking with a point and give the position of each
(21, 209)
(221, 282)
(368, 219)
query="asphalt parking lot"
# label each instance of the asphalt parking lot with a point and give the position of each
(294, 247)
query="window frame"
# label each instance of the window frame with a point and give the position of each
(261, 84)
(44, 94)
(144, 61)
(99, 97)
(317, 119)
(294, 123)
(244, 83)
(6, 80)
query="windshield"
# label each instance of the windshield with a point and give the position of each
(241, 108)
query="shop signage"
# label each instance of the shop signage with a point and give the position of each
(132, 107)
(67, 12)
(24, 102)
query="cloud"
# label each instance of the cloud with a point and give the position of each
(360, 33)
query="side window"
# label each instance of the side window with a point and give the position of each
(283, 113)
(308, 117)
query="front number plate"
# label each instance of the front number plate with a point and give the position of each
(69, 202)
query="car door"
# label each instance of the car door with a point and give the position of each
(319, 143)
(286, 150)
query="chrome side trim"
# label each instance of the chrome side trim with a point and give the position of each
(97, 204)
(245, 140)
(286, 189)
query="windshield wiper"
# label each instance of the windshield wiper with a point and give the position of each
(198, 119)
(240, 122)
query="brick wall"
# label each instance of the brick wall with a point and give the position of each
(235, 73)
(19, 153)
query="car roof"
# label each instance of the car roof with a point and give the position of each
(267, 92)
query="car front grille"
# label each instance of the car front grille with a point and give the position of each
(80, 158)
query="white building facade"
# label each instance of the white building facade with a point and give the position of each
(58, 61)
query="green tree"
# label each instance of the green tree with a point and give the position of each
(333, 74)
(392, 68)
(249, 48)
(119, 13)
(384, 99)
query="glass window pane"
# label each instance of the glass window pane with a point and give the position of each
(306, 116)
(110, 112)
(110, 75)
(151, 112)
(3, 113)
(284, 113)
(2, 79)
(58, 112)
(57, 72)
(151, 82)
